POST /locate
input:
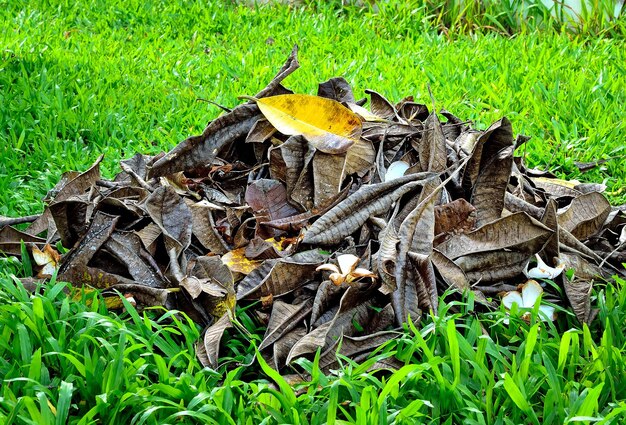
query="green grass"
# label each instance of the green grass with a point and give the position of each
(82, 78)
(71, 362)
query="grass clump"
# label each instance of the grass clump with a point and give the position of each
(71, 361)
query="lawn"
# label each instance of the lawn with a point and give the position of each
(78, 79)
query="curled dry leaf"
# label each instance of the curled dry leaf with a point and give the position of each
(351, 213)
(11, 240)
(337, 89)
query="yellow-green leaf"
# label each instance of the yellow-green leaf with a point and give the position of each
(237, 261)
(328, 125)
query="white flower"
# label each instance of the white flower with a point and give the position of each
(542, 270)
(530, 294)
(48, 260)
(347, 270)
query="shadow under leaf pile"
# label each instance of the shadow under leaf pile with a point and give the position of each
(340, 222)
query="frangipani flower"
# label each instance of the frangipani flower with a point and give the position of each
(529, 296)
(347, 270)
(542, 270)
(47, 260)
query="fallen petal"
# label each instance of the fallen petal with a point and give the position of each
(546, 313)
(531, 291)
(337, 278)
(396, 170)
(330, 267)
(361, 272)
(512, 297)
(347, 263)
(543, 271)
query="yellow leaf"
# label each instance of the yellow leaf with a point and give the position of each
(218, 307)
(328, 125)
(237, 261)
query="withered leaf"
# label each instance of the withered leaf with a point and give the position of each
(237, 261)
(497, 137)
(380, 106)
(283, 277)
(284, 344)
(261, 131)
(493, 266)
(518, 231)
(71, 217)
(149, 235)
(75, 186)
(425, 281)
(578, 292)
(10, 240)
(351, 213)
(328, 174)
(326, 294)
(454, 276)
(203, 227)
(387, 257)
(412, 111)
(297, 158)
(354, 308)
(283, 319)
(360, 158)
(212, 282)
(585, 215)
(143, 295)
(268, 200)
(337, 89)
(550, 219)
(416, 234)
(454, 217)
(138, 164)
(74, 263)
(451, 273)
(207, 349)
(556, 187)
(128, 250)
(583, 269)
(168, 210)
(432, 148)
(490, 187)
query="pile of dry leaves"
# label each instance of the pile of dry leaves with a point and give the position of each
(342, 222)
